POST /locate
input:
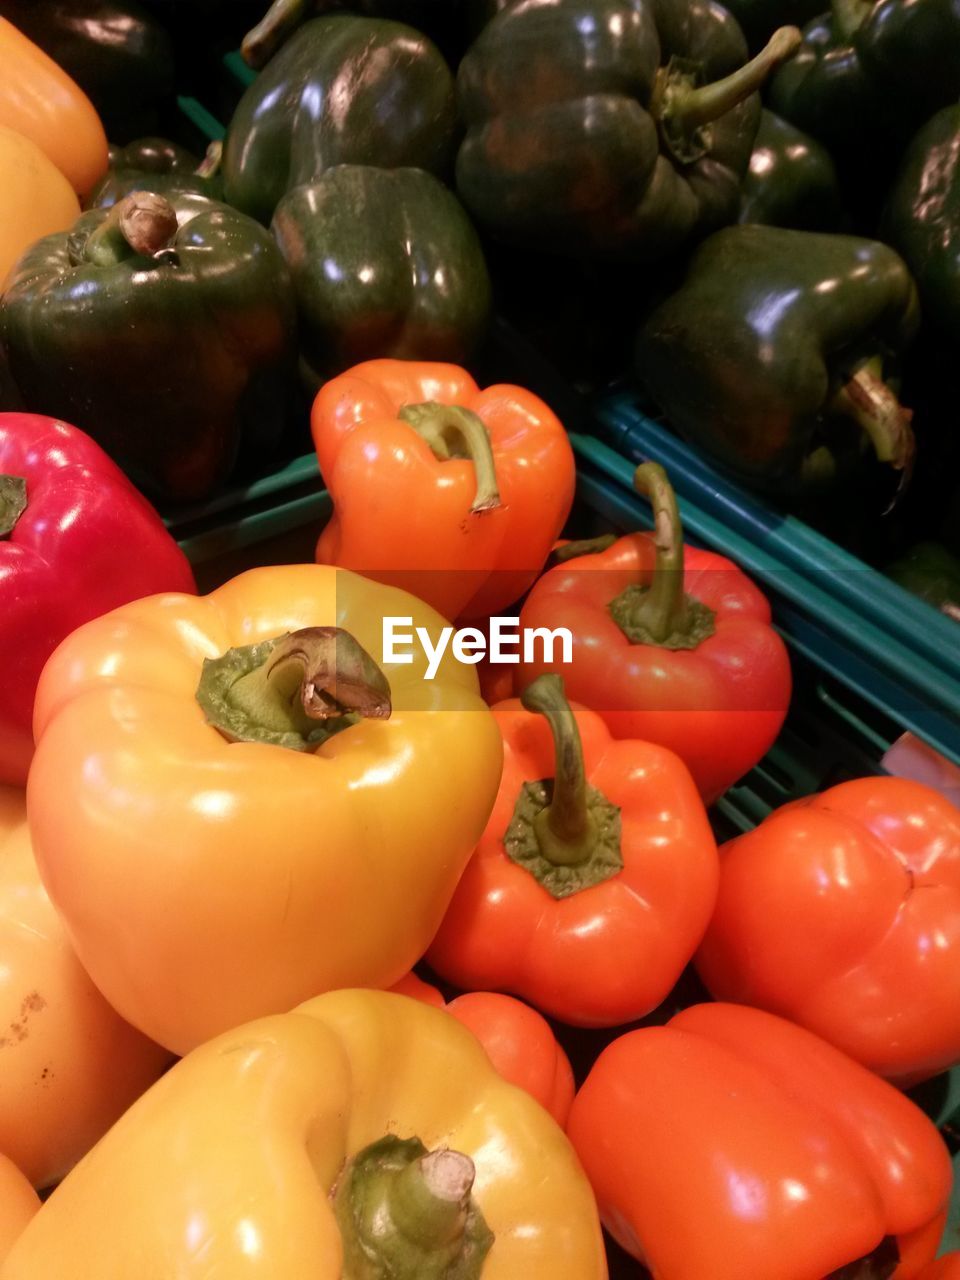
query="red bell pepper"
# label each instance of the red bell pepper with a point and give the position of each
(945, 1268)
(449, 492)
(517, 1039)
(733, 1145)
(842, 912)
(671, 646)
(589, 892)
(76, 540)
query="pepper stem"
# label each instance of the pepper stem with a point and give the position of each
(871, 403)
(454, 432)
(209, 166)
(585, 547)
(13, 503)
(563, 827)
(295, 691)
(281, 19)
(140, 223)
(848, 16)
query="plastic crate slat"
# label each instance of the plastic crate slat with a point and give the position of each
(246, 531)
(297, 472)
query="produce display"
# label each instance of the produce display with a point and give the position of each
(480, 695)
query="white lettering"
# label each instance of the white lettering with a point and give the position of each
(391, 639)
(549, 638)
(469, 645)
(434, 653)
(503, 632)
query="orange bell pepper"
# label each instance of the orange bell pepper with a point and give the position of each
(39, 100)
(452, 493)
(71, 1065)
(18, 1203)
(517, 1039)
(733, 1145)
(842, 913)
(35, 198)
(588, 894)
(945, 1268)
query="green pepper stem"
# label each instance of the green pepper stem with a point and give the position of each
(13, 503)
(281, 19)
(454, 432)
(688, 107)
(429, 1197)
(585, 547)
(871, 403)
(848, 16)
(663, 605)
(141, 223)
(563, 828)
(209, 166)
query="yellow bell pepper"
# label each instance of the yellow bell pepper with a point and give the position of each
(205, 881)
(18, 1203)
(35, 198)
(337, 1142)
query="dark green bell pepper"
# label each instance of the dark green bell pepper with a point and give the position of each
(385, 262)
(870, 71)
(342, 90)
(160, 166)
(929, 571)
(792, 181)
(116, 51)
(922, 218)
(774, 355)
(166, 333)
(438, 19)
(609, 128)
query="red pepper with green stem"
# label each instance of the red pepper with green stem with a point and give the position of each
(595, 877)
(671, 645)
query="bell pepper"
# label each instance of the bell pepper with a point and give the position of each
(71, 1065)
(759, 19)
(39, 100)
(842, 913)
(734, 1145)
(115, 50)
(76, 540)
(173, 800)
(320, 103)
(362, 1135)
(791, 182)
(922, 218)
(595, 877)
(435, 18)
(945, 1268)
(472, 487)
(164, 328)
(517, 1040)
(35, 198)
(775, 355)
(868, 69)
(18, 1203)
(670, 644)
(385, 263)
(160, 166)
(611, 128)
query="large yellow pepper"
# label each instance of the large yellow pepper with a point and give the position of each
(204, 880)
(262, 1154)
(35, 198)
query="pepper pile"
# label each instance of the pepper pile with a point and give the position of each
(327, 946)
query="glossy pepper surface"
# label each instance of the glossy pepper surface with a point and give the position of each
(472, 487)
(439, 19)
(922, 219)
(765, 1152)
(320, 102)
(350, 1091)
(35, 198)
(234, 883)
(791, 181)
(160, 166)
(517, 1040)
(39, 100)
(670, 644)
(842, 913)
(945, 1268)
(163, 328)
(76, 540)
(115, 50)
(386, 264)
(18, 1203)
(71, 1065)
(596, 875)
(775, 356)
(612, 128)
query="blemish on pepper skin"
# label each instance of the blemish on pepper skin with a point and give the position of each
(19, 1029)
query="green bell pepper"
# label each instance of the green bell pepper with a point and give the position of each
(166, 333)
(870, 71)
(439, 19)
(160, 166)
(609, 128)
(791, 182)
(773, 355)
(342, 90)
(116, 51)
(929, 571)
(385, 262)
(922, 218)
